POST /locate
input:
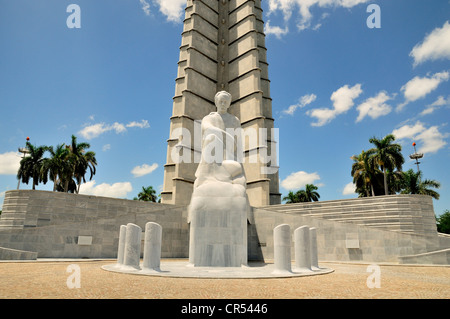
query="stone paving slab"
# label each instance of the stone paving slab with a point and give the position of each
(47, 279)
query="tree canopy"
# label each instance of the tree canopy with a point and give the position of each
(66, 167)
(32, 164)
(378, 171)
(412, 183)
(443, 222)
(147, 194)
(309, 194)
(386, 156)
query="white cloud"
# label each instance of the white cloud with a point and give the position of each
(374, 107)
(92, 131)
(428, 110)
(106, 147)
(303, 7)
(141, 124)
(172, 9)
(298, 180)
(317, 26)
(277, 31)
(302, 102)
(145, 7)
(342, 102)
(349, 189)
(349, 3)
(144, 169)
(419, 87)
(441, 101)
(429, 140)
(116, 190)
(408, 131)
(435, 46)
(432, 139)
(9, 163)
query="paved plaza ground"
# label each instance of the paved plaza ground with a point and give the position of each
(48, 280)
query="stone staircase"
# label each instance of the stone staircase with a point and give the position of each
(394, 213)
(14, 212)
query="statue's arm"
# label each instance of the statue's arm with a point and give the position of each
(208, 127)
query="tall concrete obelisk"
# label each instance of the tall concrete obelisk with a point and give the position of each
(222, 48)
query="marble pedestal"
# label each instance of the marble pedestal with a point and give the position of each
(218, 228)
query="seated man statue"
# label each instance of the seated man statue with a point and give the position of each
(222, 152)
(219, 204)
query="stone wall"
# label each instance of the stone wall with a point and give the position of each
(374, 229)
(339, 241)
(440, 257)
(67, 226)
(14, 254)
(60, 225)
(412, 214)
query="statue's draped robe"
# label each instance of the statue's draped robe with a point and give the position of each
(219, 204)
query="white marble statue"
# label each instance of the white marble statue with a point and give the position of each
(222, 152)
(219, 204)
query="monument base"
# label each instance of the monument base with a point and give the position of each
(183, 269)
(218, 231)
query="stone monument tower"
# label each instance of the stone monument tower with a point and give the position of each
(222, 48)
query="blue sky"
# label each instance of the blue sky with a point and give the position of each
(335, 83)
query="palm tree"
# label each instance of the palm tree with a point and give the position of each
(363, 173)
(87, 160)
(80, 161)
(31, 165)
(309, 194)
(57, 165)
(148, 194)
(387, 156)
(413, 184)
(291, 198)
(395, 182)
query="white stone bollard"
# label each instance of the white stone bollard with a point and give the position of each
(152, 246)
(302, 249)
(314, 253)
(121, 248)
(132, 252)
(282, 249)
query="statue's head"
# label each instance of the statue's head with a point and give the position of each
(222, 101)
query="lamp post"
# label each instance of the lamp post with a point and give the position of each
(416, 157)
(23, 150)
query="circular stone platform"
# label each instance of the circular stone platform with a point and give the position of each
(186, 270)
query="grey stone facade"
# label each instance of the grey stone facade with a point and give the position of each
(412, 214)
(336, 240)
(60, 225)
(52, 224)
